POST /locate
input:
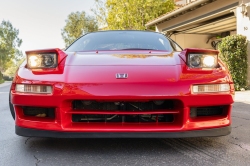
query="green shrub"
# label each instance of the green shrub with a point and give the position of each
(233, 52)
(1, 75)
(1, 81)
(1, 78)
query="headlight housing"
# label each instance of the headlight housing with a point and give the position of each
(42, 61)
(202, 60)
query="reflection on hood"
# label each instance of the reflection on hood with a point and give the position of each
(132, 56)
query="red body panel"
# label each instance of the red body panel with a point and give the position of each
(151, 75)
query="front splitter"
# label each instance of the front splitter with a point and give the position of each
(214, 132)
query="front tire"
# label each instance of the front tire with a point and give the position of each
(12, 111)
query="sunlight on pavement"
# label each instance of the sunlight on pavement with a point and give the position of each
(242, 96)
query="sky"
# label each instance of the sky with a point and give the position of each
(40, 21)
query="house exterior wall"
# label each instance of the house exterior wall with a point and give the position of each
(180, 2)
(183, 2)
(243, 28)
(158, 30)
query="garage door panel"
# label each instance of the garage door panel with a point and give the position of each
(204, 28)
(216, 29)
(226, 23)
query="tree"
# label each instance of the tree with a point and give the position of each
(130, 14)
(13, 66)
(76, 25)
(9, 43)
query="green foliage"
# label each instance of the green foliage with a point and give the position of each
(76, 25)
(9, 42)
(1, 76)
(9, 64)
(130, 14)
(233, 52)
(1, 81)
(13, 66)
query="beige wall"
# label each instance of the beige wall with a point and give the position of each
(192, 41)
(243, 28)
(183, 2)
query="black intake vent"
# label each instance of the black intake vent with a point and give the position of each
(39, 111)
(121, 105)
(133, 118)
(206, 111)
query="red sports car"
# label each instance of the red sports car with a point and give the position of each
(122, 84)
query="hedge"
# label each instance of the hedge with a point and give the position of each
(233, 52)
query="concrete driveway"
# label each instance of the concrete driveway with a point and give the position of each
(233, 149)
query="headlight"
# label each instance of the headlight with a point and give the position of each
(42, 61)
(45, 89)
(202, 61)
(209, 88)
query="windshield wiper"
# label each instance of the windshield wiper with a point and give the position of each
(137, 49)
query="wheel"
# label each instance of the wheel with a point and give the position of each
(12, 111)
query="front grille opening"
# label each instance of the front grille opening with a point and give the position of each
(133, 118)
(123, 105)
(39, 112)
(206, 111)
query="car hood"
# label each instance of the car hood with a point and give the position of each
(111, 58)
(148, 74)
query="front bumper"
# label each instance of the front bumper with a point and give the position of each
(215, 132)
(63, 96)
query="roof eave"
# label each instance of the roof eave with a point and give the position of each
(192, 5)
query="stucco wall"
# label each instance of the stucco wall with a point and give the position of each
(243, 28)
(181, 2)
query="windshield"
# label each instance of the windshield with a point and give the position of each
(123, 40)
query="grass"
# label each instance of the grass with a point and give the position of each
(1, 81)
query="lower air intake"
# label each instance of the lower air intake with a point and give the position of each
(39, 111)
(206, 111)
(134, 118)
(123, 105)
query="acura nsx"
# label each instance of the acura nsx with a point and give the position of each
(122, 84)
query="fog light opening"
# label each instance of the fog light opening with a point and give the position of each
(39, 112)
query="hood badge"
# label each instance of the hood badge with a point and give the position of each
(121, 75)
